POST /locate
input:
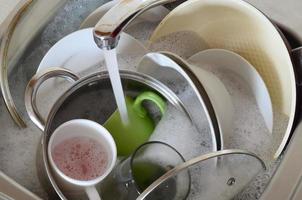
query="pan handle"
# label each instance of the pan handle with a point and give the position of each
(33, 87)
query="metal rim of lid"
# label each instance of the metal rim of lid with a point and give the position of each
(194, 161)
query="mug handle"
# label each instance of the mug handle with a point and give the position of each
(33, 87)
(151, 96)
(92, 193)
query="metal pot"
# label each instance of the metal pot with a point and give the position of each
(83, 100)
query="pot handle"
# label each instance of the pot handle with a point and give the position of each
(33, 87)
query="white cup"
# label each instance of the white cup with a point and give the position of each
(82, 128)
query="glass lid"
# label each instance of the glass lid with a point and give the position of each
(218, 175)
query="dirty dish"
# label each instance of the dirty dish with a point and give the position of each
(140, 126)
(78, 51)
(244, 30)
(155, 14)
(219, 97)
(89, 98)
(236, 170)
(76, 149)
(135, 173)
(167, 67)
(227, 60)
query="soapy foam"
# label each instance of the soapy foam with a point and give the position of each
(176, 129)
(81, 158)
(183, 43)
(15, 160)
(250, 131)
(18, 147)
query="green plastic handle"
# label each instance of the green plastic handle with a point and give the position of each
(151, 96)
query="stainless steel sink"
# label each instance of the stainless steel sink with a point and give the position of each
(37, 27)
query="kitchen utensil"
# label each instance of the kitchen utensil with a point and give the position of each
(224, 59)
(82, 128)
(140, 126)
(10, 133)
(84, 57)
(246, 31)
(155, 14)
(75, 59)
(89, 93)
(236, 168)
(165, 66)
(107, 31)
(134, 174)
(14, 42)
(81, 56)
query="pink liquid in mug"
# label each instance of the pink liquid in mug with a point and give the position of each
(81, 158)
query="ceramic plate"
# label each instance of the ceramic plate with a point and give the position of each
(224, 59)
(78, 51)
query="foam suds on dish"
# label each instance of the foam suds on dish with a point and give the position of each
(184, 44)
(176, 129)
(250, 132)
(142, 31)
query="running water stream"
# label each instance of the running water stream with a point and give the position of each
(112, 67)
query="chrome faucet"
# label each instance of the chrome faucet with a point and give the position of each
(107, 31)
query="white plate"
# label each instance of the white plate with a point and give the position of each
(231, 61)
(219, 97)
(78, 51)
(157, 65)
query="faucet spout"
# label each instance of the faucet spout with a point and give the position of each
(107, 31)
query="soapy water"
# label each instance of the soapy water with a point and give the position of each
(112, 67)
(66, 22)
(183, 43)
(249, 132)
(18, 147)
(177, 130)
